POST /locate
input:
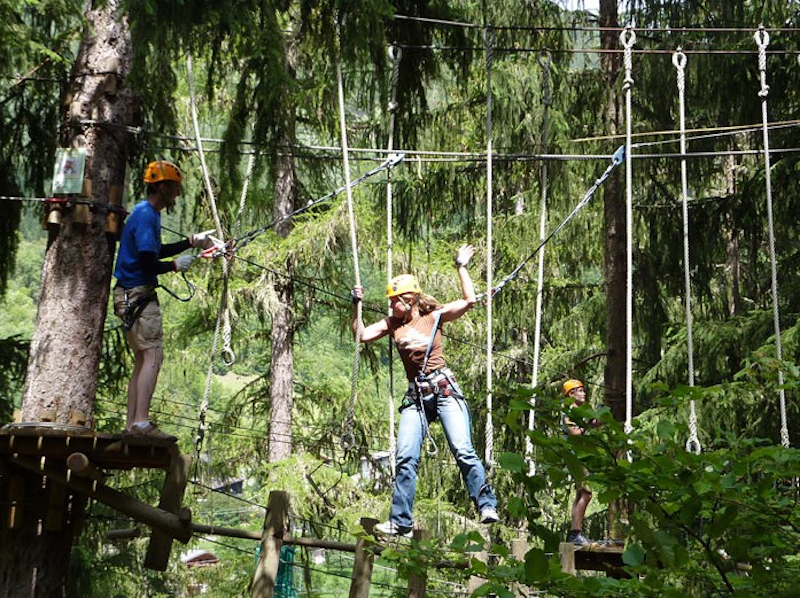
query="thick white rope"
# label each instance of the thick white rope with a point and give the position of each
(489, 435)
(202, 427)
(395, 54)
(762, 41)
(348, 441)
(679, 61)
(628, 39)
(198, 139)
(544, 62)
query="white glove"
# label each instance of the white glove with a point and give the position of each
(203, 240)
(183, 262)
(464, 254)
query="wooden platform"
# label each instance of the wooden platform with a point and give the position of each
(592, 557)
(107, 451)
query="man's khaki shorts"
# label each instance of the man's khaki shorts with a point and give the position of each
(147, 332)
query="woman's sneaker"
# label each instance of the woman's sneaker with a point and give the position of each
(390, 528)
(489, 515)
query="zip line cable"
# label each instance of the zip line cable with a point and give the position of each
(692, 29)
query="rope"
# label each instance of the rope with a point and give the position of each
(628, 39)
(544, 62)
(488, 34)
(616, 159)
(762, 41)
(395, 55)
(348, 441)
(679, 61)
(244, 239)
(200, 153)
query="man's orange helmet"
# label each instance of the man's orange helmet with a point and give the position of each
(570, 385)
(161, 170)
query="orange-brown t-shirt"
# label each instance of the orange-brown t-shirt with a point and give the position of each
(412, 343)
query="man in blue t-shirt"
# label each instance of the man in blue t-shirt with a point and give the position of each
(135, 301)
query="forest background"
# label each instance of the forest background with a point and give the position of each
(266, 86)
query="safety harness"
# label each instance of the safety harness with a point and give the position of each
(134, 309)
(429, 387)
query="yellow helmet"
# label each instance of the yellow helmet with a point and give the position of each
(161, 170)
(405, 283)
(571, 385)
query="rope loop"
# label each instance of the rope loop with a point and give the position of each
(679, 59)
(628, 39)
(693, 443)
(762, 37)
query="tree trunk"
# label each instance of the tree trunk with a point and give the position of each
(283, 321)
(615, 265)
(66, 346)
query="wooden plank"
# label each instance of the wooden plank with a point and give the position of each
(160, 545)
(361, 579)
(418, 582)
(275, 525)
(592, 557)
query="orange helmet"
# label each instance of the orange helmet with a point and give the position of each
(405, 283)
(570, 385)
(161, 170)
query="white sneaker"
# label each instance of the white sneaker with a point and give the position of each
(390, 528)
(489, 515)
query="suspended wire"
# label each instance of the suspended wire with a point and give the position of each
(532, 50)
(578, 28)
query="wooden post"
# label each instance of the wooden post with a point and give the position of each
(362, 565)
(418, 583)
(474, 581)
(275, 524)
(566, 550)
(519, 548)
(171, 500)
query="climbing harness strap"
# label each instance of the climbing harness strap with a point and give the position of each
(427, 387)
(135, 307)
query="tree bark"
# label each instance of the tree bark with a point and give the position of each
(66, 347)
(283, 321)
(615, 265)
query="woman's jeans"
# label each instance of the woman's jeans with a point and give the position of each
(453, 412)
